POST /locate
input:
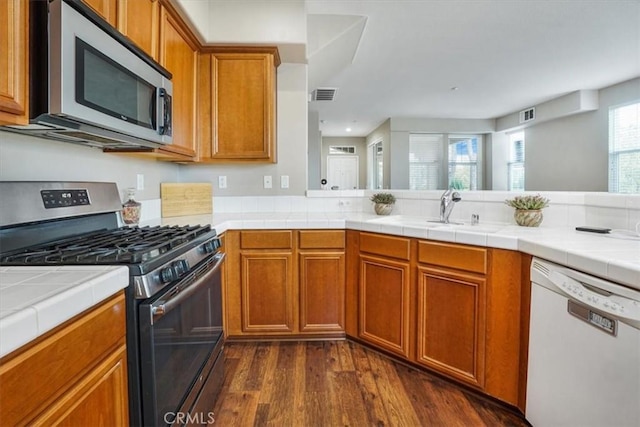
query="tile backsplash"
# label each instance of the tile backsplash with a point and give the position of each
(569, 208)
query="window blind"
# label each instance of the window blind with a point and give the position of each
(425, 158)
(624, 149)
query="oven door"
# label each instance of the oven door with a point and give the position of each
(180, 338)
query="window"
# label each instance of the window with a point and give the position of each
(624, 149)
(347, 149)
(464, 161)
(378, 166)
(516, 162)
(425, 157)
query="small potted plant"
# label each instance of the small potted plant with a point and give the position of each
(383, 203)
(528, 209)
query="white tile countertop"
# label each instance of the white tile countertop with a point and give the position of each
(614, 257)
(34, 300)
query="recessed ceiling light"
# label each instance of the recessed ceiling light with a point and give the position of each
(454, 88)
(348, 129)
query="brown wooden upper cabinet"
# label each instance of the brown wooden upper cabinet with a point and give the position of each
(179, 55)
(237, 104)
(14, 62)
(139, 20)
(105, 8)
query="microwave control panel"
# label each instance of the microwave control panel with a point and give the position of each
(64, 198)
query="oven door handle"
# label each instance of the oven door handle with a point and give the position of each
(165, 306)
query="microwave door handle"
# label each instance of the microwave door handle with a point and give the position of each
(162, 307)
(163, 101)
(159, 102)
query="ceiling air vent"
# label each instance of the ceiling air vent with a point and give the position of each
(324, 94)
(527, 115)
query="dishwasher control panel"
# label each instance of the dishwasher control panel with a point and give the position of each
(606, 297)
(600, 299)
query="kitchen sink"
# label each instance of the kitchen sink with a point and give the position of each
(407, 221)
(479, 228)
(415, 221)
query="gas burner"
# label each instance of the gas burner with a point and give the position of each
(123, 245)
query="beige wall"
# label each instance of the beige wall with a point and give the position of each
(25, 158)
(28, 158)
(571, 153)
(383, 133)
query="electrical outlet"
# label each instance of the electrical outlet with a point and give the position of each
(140, 182)
(268, 183)
(284, 181)
(222, 181)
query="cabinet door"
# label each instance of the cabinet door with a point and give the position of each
(99, 399)
(104, 8)
(178, 54)
(322, 291)
(243, 93)
(138, 20)
(14, 61)
(451, 324)
(384, 304)
(267, 292)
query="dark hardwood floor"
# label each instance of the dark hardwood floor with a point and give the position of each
(341, 383)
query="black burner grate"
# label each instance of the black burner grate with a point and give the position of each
(121, 246)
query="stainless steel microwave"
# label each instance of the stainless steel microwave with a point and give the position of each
(91, 85)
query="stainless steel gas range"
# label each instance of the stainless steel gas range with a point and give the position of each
(174, 306)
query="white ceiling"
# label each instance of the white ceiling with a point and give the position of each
(502, 55)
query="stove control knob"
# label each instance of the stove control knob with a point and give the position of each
(210, 246)
(168, 275)
(180, 267)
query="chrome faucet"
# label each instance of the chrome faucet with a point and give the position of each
(447, 201)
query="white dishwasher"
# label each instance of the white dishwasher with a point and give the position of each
(584, 350)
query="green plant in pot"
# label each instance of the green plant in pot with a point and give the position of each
(383, 203)
(528, 209)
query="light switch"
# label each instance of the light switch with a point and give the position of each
(268, 183)
(284, 181)
(140, 182)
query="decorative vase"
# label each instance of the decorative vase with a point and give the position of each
(383, 208)
(528, 218)
(131, 208)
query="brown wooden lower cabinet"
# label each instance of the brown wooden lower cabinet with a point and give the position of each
(455, 309)
(451, 324)
(267, 292)
(74, 375)
(321, 283)
(285, 283)
(384, 304)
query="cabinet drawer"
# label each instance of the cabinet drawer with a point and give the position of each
(321, 239)
(281, 239)
(454, 256)
(32, 379)
(396, 247)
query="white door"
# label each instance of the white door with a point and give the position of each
(342, 172)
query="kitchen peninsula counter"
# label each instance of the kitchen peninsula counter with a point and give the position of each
(606, 256)
(34, 300)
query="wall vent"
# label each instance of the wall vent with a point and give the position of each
(527, 115)
(324, 94)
